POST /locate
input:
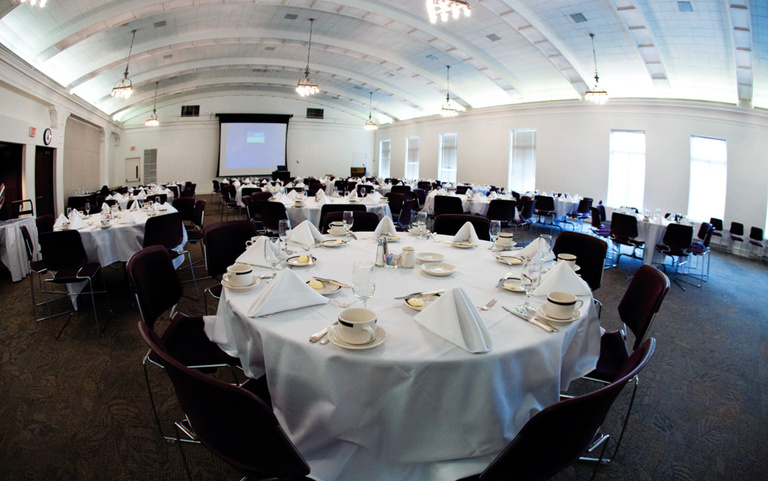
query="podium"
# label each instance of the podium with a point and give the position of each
(357, 171)
(283, 175)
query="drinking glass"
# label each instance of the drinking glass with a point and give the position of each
(270, 256)
(349, 219)
(495, 231)
(87, 209)
(69, 212)
(529, 279)
(283, 229)
(421, 223)
(545, 245)
(363, 281)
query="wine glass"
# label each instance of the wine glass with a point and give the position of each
(349, 219)
(87, 209)
(529, 279)
(545, 245)
(271, 256)
(495, 231)
(363, 281)
(284, 228)
(421, 223)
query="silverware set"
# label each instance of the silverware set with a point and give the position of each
(522, 314)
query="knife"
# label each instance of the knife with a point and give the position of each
(504, 280)
(421, 294)
(331, 281)
(530, 319)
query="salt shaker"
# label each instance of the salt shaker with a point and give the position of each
(381, 253)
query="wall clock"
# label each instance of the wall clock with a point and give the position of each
(47, 136)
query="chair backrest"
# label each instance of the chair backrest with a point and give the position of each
(363, 189)
(623, 226)
(556, 436)
(216, 186)
(596, 222)
(402, 189)
(529, 207)
(271, 213)
(642, 300)
(230, 421)
(448, 204)
(421, 195)
(501, 209)
(716, 223)
(590, 255)
(395, 200)
(363, 221)
(326, 208)
(756, 233)
(45, 223)
(585, 206)
(404, 219)
(462, 189)
(737, 228)
(164, 230)
(174, 189)
(161, 198)
(249, 207)
(28, 246)
(186, 207)
(62, 250)
(705, 233)
(224, 242)
(679, 236)
(154, 282)
(545, 203)
(449, 224)
(199, 215)
(250, 190)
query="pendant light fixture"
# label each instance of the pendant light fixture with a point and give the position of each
(152, 120)
(124, 88)
(35, 3)
(306, 85)
(448, 110)
(596, 95)
(446, 8)
(370, 124)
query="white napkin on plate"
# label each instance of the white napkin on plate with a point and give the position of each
(254, 255)
(78, 223)
(59, 221)
(467, 233)
(532, 249)
(369, 200)
(105, 208)
(285, 292)
(320, 196)
(386, 226)
(375, 196)
(562, 278)
(305, 234)
(292, 194)
(455, 318)
(127, 218)
(74, 214)
(134, 205)
(353, 194)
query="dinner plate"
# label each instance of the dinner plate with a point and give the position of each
(390, 238)
(429, 257)
(381, 335)
(333, 243)
(542, 314)
(240, 288)
(438, 269)
(294, 261)
(513, 285)
(328, 288)
(509, 260)
(427, 301)
(463, 244)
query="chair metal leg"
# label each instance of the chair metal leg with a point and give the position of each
(181, 450)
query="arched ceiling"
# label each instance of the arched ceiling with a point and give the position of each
(508, 51)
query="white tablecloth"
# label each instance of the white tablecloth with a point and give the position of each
(311, 209)
(417, 407)
(652, 233)
(13, 252)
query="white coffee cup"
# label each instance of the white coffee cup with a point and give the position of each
(505, 239)
(357, 325)
(252, 240)
(337, 228)
(569, 259)
(560, 305)
(239, 275)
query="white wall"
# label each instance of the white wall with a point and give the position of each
(572, 148)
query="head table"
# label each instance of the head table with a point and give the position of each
(416, 407)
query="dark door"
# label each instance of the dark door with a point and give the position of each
(44, 181)
(10, 175)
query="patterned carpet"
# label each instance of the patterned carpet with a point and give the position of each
(77, 407)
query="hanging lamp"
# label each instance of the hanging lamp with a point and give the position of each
(596, 95)
(448, 110)
(124, 88)
(152, 120)
(370, 124)
(447, 8)
(308, 86)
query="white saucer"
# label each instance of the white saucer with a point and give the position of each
(333, 243)
(390, 238)
(576, 268)
(429, 257)
(328, 288)
(438, 269)
(240, 288)
(294, 261)
(509, 260)
(106, 226)
(540, 312)
(513, 285)
(427, 301)
(463, 244)
(381, 335)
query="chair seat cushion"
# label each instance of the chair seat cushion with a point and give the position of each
(185, 338)
(698, 249)
(67, 276)
(613, 355)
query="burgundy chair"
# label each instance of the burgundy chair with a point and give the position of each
(168, 231)
(326, 208)
(186, 207)
(363, 221)
(39, 269)
(545, 208)
(449, 224)
(700, 248)
(590, 255)
(756, 239)
(223, 243)
(677, 245)
(403, 222)
(271, 215)
(624, 232)
(502, 210)
(235, 423)
(395, 200)
(736, 234)
(157, 290)
(161, 198)
(45, 223)
(401, 189)
(717, 225)
(448, 204)
(558, 435)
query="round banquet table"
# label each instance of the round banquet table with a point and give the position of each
(311, 209)
(416, 407)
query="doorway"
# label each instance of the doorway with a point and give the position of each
(44, 203)
(10, 175)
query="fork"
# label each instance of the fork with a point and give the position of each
(490, 304)
(343, 304)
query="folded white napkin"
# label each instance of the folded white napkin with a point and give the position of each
(386, 226)
(263, 181)
(478, 196)
(168, 208)
(104, 208)
(74, 214)
(532, 249)
(109, 197)
(562, 278)
(493, 195)
(277, 196)
(289, 185)
(127, 218)
(236, 183)
(375, 196)
(369, 200)
(305, 234)
(466, 233)
(455, 318)
(78, 223)
(285, 292)
(134, 206)
(300, 184)
(59, 221)
(292, 194)
(353, 194)
(254, 255)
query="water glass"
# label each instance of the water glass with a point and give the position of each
(495, 231)
(545, 245)
(348, 217)
(363, 281)
(421, 223)
(271, 256)
(529, 279)
(283, 229)
(87, 209)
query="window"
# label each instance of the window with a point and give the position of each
(522, 161)
(411, 158)
(626, 169)
(385, 154)
(709, 165)
(447, 162)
